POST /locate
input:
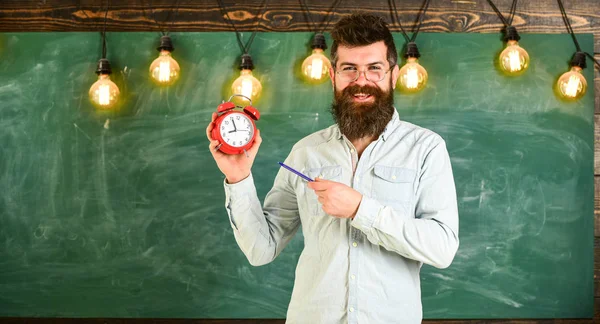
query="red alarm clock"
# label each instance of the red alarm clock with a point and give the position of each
(234, 129)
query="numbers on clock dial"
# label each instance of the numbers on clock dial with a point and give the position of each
(237, 129)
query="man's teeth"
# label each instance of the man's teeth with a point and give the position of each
(361, 95)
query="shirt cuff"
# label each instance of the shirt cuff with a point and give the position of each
(239, 188)
(366, 214)
(236, 197)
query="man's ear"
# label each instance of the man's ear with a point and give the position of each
(395, 74)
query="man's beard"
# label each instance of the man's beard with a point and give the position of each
(358, 120)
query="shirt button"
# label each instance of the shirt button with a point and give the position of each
(351, 309)
(394, 177)
(354, 244)
(357, 179)
(352, 277)
(351, 150)
(321, 176)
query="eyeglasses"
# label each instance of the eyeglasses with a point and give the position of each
(374, 73)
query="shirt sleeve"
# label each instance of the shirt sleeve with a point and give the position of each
(262, 232)
(431, 234)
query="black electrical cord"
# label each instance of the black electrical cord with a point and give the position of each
(153, 14)
(79, 8)
(513, 9)
(421, 16)
(104, 31)
(420, 19)
(103, 64)
(310, 19)
(593, 60)
(411, 47)
(568, 25)
(319, 39)
(329, 17)
(243, 48)
(580, 58)
(177, 3)
(510, 32)
(392, 4)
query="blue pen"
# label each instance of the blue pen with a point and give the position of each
(296, 172)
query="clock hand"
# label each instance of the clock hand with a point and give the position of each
(234, 128)
(233, 122)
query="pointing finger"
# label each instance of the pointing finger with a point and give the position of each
(319, 184)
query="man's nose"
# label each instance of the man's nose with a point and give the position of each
(362, 78)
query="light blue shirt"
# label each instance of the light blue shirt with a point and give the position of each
(364, 270)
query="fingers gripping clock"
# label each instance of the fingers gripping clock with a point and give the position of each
(235, 129)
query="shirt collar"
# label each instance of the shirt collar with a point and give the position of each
(387, 131)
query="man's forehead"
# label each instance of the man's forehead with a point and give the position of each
(362, 54)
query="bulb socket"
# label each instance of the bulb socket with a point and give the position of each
(103, 67)
(510, 34)
(579, 60)
(165, 44)
(412, 50)
(319, 42)
(246, 62)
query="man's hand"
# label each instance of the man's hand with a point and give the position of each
(235, 167)
(336, 198)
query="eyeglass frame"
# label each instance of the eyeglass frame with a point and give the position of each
(365, 74)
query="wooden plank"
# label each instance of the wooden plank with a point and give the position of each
(597, 146)
(541, 16)
(597, 205)
(597, 270)
(596, 83)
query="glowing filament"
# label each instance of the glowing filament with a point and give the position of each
(514, 60)
(412, 78)
(164, 73)
(104, 95)
(316, 69)
(573, 86)
(247, 88)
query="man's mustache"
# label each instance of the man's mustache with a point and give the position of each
(368, 90)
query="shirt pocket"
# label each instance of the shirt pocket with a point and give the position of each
(331, 173)
(393, 186)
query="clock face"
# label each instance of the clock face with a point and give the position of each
(237, 129)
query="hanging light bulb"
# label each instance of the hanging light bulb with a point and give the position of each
(104, 93)
(514, 60)
(315, 68)
(572, 85)
(246, 84)
(412, 76)
(165, 70)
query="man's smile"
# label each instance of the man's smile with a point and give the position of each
(363, 97)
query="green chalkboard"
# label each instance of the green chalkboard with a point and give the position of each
(122, 214)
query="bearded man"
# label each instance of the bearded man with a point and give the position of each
(383, 202)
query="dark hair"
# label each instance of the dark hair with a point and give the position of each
(362, 30)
